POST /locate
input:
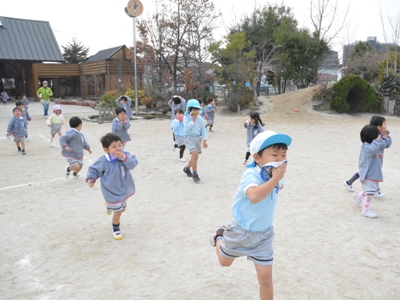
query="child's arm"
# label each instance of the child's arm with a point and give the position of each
(86, 146)
(128, 160)
(246, 124)
(50, 120)
(95, 171)
(28, 116)
(258, 193)
(10, 126)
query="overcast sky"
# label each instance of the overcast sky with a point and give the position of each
(101, 24)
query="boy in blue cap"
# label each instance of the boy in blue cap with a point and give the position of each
(195, 131)
(251, 233)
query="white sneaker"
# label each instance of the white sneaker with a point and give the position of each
(51, 144)
(369, 214)
(245, 162)
(349, 187)
(379, 195)
(182, 159)
(357, 199)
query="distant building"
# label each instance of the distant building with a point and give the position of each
(328, 69)
(348, 49)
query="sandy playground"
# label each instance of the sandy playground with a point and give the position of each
(56, 238)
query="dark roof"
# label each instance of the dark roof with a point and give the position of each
(105, 54)
(28, 40)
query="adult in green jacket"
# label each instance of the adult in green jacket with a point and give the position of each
(44, 93)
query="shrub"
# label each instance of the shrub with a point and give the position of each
(354, 86)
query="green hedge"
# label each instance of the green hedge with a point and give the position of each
(370, 102)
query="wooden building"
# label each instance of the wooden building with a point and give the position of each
(30, 54)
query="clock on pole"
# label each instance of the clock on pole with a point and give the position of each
(134, 8)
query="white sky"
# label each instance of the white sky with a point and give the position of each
(101, 24)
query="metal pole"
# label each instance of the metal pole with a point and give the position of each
(134, 60)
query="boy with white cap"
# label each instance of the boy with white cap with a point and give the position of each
(251, 233)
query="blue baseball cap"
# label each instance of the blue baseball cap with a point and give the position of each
(268, 138)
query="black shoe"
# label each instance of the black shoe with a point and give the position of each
(19, 149)
(23, 152)
(196, 177)
(187, 171)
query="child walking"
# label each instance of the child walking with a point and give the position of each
(25, 114)
(386, 141)
(179, 132)
(195, 131)
(251, 233)
(55, 121)
(209, 113)
(370, 168)
(120, 125)
(254, 126)
(25, 101)
(72, 144)
(17, 127)
(125, 102)
(117, 185)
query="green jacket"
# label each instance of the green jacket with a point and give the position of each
(46, 93)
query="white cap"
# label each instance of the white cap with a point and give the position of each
(268, 138)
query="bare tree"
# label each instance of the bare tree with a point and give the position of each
(327, 19)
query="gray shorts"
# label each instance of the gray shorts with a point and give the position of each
(193, 143)
(18, 139)
(256, 245)
(55, 128)
(73, 161)
(116, 207)
(210, 121)
(180, 140)
(370, 187)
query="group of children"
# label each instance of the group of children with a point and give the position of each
(251, 232)
(375, 139)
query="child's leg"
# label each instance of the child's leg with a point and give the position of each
(353, 178)
(18, 146)
(75, 168)
(194, 156)
(264, 276)
(115, 223)
(181, 151)
(223, 261)
(367, 212)
(23, 145)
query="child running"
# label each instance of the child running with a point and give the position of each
(251, 233)
(370, 168)
(25, 114)
(386, 141)
(55, 121)
(195, 131)
(72, 143)
(120, 125)
(254, 127)
(25, 101)
(117, 185)
(125, 102)
(209, 113)
(179, 132)
(17, 127)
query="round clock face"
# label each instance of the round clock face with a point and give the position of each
(135, 8)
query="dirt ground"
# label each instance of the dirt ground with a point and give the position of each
(56, 238)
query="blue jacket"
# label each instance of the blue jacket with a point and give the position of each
(76, 141)
(178, 127)
(194, 128)
(369, 162)
(17, 126)
(127, 106)
(116, 179)
(120, 129)
(252, 132)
